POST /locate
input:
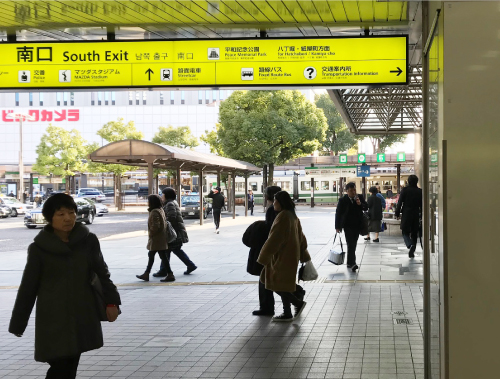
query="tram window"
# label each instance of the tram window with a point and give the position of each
(285, 186)
(253, 186)
(240, 187)
(305, 186)
(334, 187)
(325, 186)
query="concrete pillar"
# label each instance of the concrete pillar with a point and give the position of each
(463, 138)
(151, 179)
(312, 192)
(179, 186)
(398, 178)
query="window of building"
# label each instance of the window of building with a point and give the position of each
(58, 98)
(207, 97)
(130, 98)
(40, 98)
(72, 98)
(137, 98)
(305, 186)
(183, 99)
(161, 98)
(106, 98)
(214, 96)
(144, 97)
(99, 98)
(172, 97)
(92, 98)
(31, 99)
(113, 98)
(66, 96)
(221, 95)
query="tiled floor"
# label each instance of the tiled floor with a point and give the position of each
(347, 330)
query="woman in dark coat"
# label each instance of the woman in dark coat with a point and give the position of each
(375, 212)
(174, 216)
(57, 276)
(157, 236)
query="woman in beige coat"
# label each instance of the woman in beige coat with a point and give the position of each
(157, 241)
(280, 256)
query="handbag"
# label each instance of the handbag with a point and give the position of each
(364, 224)
(337, 257)
(171, 233)
(307, 272)
(101, 305)
(383, 227)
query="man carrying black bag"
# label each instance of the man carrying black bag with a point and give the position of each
(349, 217)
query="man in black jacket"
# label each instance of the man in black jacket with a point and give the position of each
(217, 204)
(349, 217)
(410, 205)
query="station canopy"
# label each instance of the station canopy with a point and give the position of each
(139, 153)
(366, 109)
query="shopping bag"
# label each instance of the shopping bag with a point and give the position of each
(337, 256)
(307, 272)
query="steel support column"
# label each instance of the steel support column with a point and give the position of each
(312, 192)
(233, 194)
(200, 186)
(398, 178)
(246, 195)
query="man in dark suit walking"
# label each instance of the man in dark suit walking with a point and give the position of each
(349, 217)
(410, 206)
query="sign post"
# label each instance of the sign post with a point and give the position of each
(325, 62)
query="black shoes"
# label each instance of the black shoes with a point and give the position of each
(367, 238)
(283, 318)
(160, 274)
(190, 270)
(300, 294)
(262, 312)
(411, 253)
(298, 310)
(377, 240)
(169, 278)
(144, 276)
(353, 268)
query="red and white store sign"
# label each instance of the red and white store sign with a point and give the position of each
(46, 115)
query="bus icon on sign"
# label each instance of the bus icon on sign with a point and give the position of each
(166, 74)
(247, 74)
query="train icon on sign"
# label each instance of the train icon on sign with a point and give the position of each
(247, 74)
(166, 74)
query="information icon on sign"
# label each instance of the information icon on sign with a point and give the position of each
(310, 73)
(24, 76)
(166, 74)
(64, 76)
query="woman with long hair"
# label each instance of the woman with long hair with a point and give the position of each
(61, 261)
(280, 256)
(375, 211)
(157, 236)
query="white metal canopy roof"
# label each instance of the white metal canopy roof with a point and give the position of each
(139, 153)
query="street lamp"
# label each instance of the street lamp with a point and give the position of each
(20, 116)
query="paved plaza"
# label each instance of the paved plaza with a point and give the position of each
(355, 325)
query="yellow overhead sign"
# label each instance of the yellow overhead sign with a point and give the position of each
(325, 62)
